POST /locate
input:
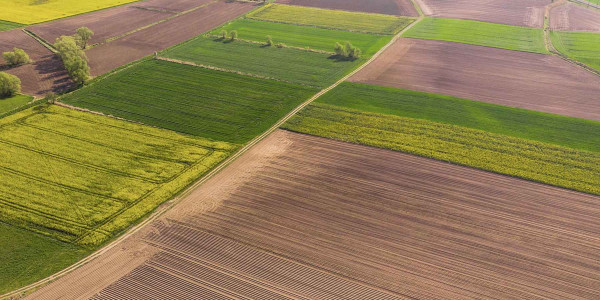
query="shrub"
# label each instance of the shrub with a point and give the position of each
(348, 51)
(233, 35)
(73, 58)
(281, 45)
(10, 85)
(17, 57)
(339, 50)
(223, 34)
(82, 36)
(269, 41)
(51, 97)
(354, 53)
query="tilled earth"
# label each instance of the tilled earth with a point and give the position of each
(389, 7)
(573, 17)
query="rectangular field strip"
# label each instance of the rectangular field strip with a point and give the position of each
(304, 36)
(14, 102)
(6, 25)
(532, 160)
(580, 46)
(287, 64)
(81, 178)
(480, 33)
(332, 19)
(193, 100)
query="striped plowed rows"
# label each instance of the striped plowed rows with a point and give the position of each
(573, 17)
(171, 5)
(520, 12)
(330, 220)
(17, 38)
(526, 80)
(147, 41)
(389, 7)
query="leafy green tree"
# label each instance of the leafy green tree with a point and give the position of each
(10, 85)
(340, 50)
(233, 35)
(73, 58)
(82, 36)
(17, 57)
(269, 41)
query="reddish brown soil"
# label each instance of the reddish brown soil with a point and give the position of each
(145, 42)
(172, 5)
(526, 80)
(17, 38)
(104, 23)
(573, 17)
(320, 219)
(389, 7)
(513, 12)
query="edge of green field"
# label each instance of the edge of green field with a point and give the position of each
(8, 25)
(8, 105)
(578, 45)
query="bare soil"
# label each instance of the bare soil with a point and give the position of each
(122, 51)
(300, 217)
(573, 17)
(513, 12)
(171, 5)
(526, 80)
(389, 7)
(19, 39)
(104, 23)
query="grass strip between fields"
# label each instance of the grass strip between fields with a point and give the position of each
(6, 25)
(480, 33)
(580, 46)
(532, 160)
(331, 19)
(9, 104)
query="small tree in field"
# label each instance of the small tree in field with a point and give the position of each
(233, 35)
(354, 53)
(347, 51)
(51, 97)
(82, 36)
(223, 34)
(339, 50)
(269, 41)
(17, 57)
(73, 58)
(10, 85)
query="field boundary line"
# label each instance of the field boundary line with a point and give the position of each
(587, 4)
(40, 40)
(550, 46)
(166, 206)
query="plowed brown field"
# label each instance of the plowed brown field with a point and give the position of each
(300, 217)
(526, 80)
(104, 23)
(171, 5)
(145, 42)
(573, 17)
(17, 38)
(513, 12)
(389, 7)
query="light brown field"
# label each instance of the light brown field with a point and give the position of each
(526, 80)
(389, 7)
(573, 17)
(300, 217)
(512, 12)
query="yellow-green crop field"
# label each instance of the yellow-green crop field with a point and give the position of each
(81, 178)
(37, 11)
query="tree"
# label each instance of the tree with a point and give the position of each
(10, 85)
(17, 57)
(233, 35)
(347, 51)
(82, 36)
(339, 50)
(269, 41)
(73, 58)
(354, 53)
(51, 97)
(223, 34)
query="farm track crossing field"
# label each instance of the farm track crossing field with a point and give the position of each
(519, 13)
(14, 102)
(5, 25)
(532, 81)
(229, 107)
(288, 64)
(30, 12)
(580, 46)
(304, 36)
(546, 163)
(354, 222)
(389, 7)
(81, 178)
(573, 17)
(480, 33)
(554, 129)
(331, 19)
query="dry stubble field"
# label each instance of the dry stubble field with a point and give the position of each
(310, 218)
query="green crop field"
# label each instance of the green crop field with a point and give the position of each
(304, 36)
(8, 104)
(554, 129)
(81, 178)
(332, 19)
(537, 161)
(28, 257)
(6, 25)
(480, 33)
(292, 65)
(212, 104)
(580, 46)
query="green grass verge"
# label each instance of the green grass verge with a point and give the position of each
(212, 104)
(332, 19)
(480, 33)
(292, 65)
(549, 128)
(14, 102)
(28, 257)
(7, 25)
(580, 46)
(532, 160)
(82, 178)
(304, 36)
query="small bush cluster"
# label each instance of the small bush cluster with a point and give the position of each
(232, 36)
(16, 57)
(82, 36)
(347, 51)
(269, 41)
(73, 58)
(10, 85)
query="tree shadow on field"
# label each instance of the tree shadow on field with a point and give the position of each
(341, 58)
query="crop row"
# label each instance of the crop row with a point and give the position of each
(546, 163)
